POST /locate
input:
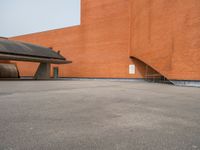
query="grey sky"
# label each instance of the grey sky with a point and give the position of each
(18, 17)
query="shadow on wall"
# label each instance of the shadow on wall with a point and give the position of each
(150, 74)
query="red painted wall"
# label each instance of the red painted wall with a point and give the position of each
(162, 33)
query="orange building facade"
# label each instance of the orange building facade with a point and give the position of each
(114, 34)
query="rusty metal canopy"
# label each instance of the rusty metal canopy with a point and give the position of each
(15, 50)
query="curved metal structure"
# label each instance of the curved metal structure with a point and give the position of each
(15, 50)
(8, 71)
(20, 51)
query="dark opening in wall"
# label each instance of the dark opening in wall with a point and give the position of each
(150, 74)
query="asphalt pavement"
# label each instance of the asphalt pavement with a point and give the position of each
(98, 115)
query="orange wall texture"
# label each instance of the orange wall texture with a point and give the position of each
(165, 34)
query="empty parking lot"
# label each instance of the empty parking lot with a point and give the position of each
(98, 115)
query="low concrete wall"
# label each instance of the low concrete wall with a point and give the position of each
(186, 83)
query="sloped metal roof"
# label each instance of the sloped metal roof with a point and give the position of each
(27, 50)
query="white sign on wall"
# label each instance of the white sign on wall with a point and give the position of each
(131, 69)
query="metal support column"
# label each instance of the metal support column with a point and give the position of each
(43, 71)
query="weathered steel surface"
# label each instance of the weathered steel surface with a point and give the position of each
(43, 71)
(32, 59)
(8, 71)
(14, 50)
